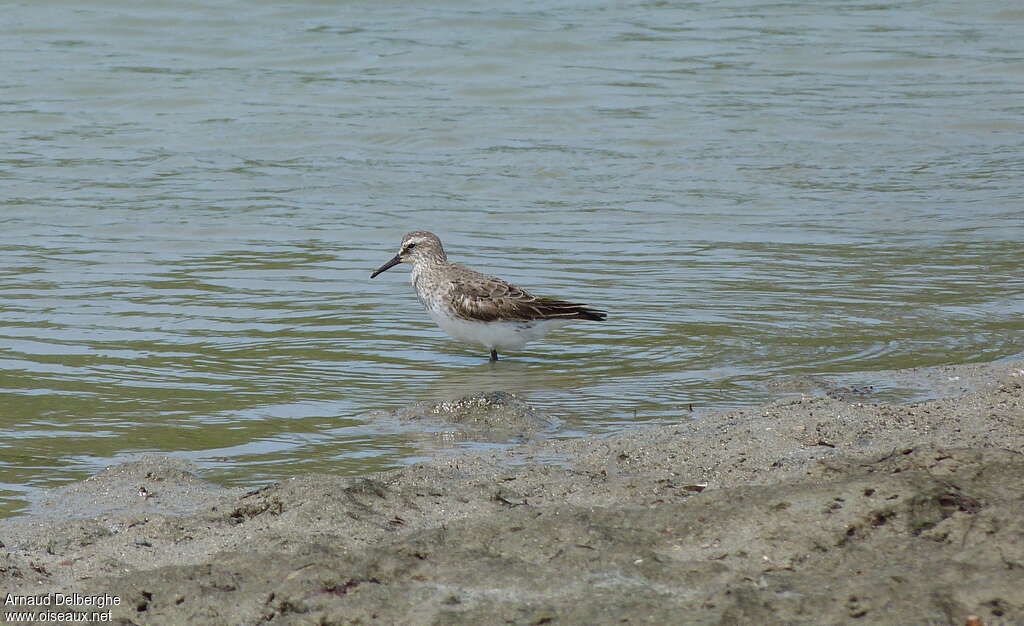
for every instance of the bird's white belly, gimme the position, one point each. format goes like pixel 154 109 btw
pixel 494 335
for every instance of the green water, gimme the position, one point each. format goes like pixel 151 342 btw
pixel 194 197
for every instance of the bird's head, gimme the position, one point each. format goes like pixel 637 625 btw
pixel 417 247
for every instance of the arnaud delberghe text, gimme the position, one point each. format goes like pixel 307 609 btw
pixel 63 599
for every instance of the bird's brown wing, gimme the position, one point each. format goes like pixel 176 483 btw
pixel 494 299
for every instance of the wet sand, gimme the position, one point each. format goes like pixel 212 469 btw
pixel 814 509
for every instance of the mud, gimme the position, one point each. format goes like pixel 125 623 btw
pixel 823 509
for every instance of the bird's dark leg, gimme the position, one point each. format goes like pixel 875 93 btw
pixel 494 356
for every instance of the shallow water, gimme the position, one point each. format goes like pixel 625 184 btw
pixel 195 196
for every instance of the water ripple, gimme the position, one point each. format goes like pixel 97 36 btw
pixel 749 191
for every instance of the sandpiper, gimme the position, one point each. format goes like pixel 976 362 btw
pixel 478 308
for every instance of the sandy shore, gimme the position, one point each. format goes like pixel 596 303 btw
pixel 827 509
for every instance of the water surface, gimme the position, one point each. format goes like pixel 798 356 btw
pixel 194 197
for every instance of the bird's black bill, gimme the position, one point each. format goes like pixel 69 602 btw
pixel 383 268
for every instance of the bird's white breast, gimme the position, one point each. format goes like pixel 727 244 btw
pixel 493 335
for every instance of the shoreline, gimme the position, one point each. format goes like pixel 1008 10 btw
pixel 811 509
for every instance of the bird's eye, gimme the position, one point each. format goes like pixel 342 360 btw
pixel 410 247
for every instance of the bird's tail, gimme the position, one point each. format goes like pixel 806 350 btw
pixel 551 309
pixel 586 313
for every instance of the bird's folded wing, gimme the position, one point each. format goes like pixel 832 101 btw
pixel 496 299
